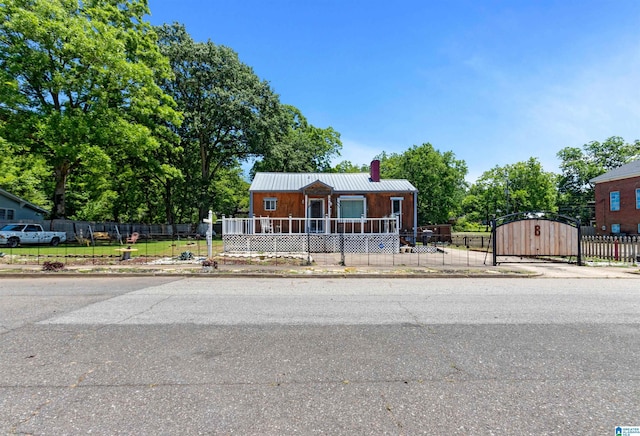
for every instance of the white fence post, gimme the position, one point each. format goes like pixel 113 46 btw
pixel 209 221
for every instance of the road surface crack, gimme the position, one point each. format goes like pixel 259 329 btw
pixel 391 412
pixel 416 321
pixel 148 309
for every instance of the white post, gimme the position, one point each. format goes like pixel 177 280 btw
pixel 329 230
pixel 209 221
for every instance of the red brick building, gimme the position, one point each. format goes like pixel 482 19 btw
pixel 617 195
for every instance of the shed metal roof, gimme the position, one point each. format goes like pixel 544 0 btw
pixel 340 182
pixel 632 169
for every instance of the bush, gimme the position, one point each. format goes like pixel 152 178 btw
pixel 463 225
pixel 52 266
pixel 186 255
pixel 210 263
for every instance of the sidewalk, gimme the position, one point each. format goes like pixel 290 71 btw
pixel 461 269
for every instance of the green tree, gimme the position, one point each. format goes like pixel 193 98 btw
pixel 82 76
pixel 23 174
pixel 230 114
pixel 346 166
pixel 304 148
pixel 579 165
pixel 438 176
pixel 233 192
pixel 520 187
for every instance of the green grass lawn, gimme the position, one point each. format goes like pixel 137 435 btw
pixel 144 248
pixel 477 234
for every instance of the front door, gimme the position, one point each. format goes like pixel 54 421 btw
pixel 396 209
pixel 315 215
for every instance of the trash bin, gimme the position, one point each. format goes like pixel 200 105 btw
pixel 426 236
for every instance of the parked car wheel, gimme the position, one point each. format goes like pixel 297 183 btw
pixel 55 241
pixel 13 242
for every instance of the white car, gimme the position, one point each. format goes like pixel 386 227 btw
pixel 13 235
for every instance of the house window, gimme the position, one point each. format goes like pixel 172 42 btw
pixel 352 207
pixel 638 199
pixel 614 200
pixel 396 206
pixel 7 214
pixel 270 204
pixel 615 228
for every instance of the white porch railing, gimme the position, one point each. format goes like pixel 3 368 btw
pixel 299 226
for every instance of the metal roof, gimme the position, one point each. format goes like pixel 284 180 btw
pixel 632 169
pixel 340 182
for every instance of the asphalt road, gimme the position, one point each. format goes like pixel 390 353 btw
pixel 162 355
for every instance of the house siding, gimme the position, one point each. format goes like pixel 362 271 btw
pixel 378 205
pixel 21 210
pixel 288 203
pixel 628 217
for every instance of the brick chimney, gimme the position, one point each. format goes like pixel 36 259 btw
pixel 375 170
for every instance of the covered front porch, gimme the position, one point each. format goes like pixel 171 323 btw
pixel 315 235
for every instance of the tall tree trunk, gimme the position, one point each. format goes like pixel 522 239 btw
pixel 61 174
pixel 168 207
pixel 203 210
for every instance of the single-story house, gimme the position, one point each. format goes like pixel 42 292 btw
pixel 617 195
pixel 14 208
pixel 372 212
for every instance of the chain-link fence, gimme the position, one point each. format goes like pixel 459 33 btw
pixel 181 250
pixel 108 251
pixel 468 251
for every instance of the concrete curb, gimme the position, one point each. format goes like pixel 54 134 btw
pixel 292 276
pixel 159 272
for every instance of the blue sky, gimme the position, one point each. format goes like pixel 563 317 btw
pixel 496 82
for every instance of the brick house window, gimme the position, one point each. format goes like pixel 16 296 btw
pixel 270 204
pixel 638 199
pixel 614 200
pixel 615 228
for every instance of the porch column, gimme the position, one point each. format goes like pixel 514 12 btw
pixel 415 217
pixel 328 230
pixel 306 212
pixel 252 224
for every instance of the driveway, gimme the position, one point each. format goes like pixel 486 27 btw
pixel 564 270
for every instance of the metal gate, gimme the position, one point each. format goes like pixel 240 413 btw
pixel 535 234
